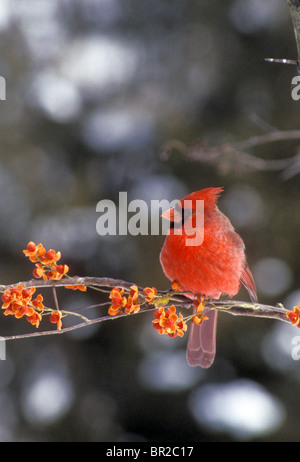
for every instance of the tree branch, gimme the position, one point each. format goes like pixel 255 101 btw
pixel 294 6
pixel 166 298
pixel 233 156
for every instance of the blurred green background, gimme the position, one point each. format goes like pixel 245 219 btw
pixel 94 90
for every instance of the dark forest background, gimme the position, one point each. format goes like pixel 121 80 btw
pixel 94 90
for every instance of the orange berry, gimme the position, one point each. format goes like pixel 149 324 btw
pixel 49 255
pixel 31 246
pixel 6 297
pixel 26 293
pixel 292 316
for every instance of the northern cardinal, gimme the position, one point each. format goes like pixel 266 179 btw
pixel 211 265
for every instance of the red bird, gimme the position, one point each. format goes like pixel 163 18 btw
pixel 205 256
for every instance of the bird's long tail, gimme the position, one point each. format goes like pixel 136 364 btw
pixel 201 348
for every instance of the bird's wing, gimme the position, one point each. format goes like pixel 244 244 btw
pixel 248 281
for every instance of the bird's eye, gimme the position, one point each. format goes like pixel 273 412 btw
pixel 178 208
pixel 183 213
pixel 187 213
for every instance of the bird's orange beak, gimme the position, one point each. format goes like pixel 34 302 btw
pixel 172 215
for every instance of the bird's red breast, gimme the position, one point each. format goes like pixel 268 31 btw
pixel 214 267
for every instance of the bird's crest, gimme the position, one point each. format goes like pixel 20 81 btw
pixel 209 195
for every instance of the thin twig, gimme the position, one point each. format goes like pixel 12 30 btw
pixel 71 281
pixel 55 298
pixel 271 137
